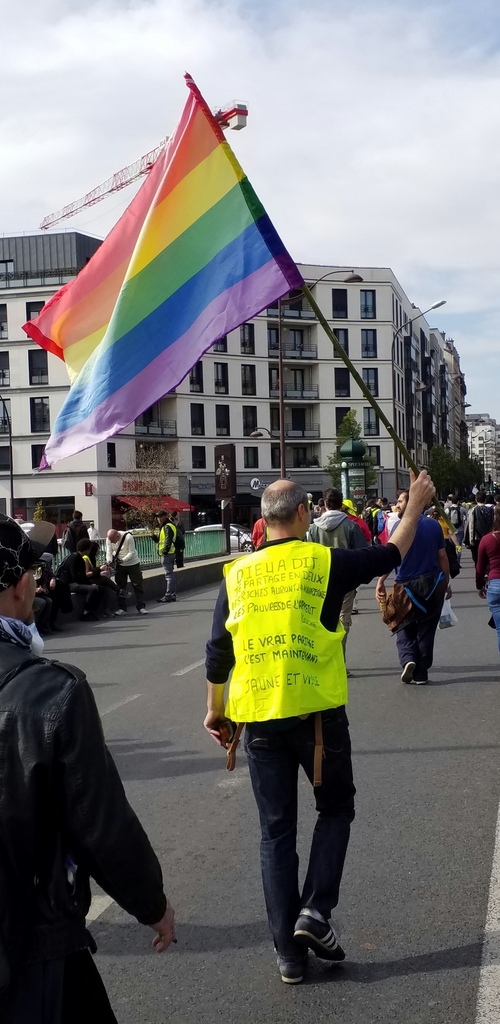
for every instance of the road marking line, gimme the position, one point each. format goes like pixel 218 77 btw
pixel 488 998
pixel 120 704
pixel 189 668
pixel 98 906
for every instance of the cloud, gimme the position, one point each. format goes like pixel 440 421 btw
pixel 372 135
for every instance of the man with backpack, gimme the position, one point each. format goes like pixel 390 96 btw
pixel 75 531
pixel 479 523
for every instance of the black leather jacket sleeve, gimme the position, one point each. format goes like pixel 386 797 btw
pixel 104 835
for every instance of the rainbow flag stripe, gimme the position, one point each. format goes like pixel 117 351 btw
pixel 193 257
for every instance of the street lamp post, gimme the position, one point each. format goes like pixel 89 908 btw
pixel 404 327
pixel 11 465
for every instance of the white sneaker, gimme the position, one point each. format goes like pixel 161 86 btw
pixel 407 673
pixel 143 611
pixel 120 611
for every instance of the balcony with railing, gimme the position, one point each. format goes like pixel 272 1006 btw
pixel 304 392
pixel 293 352
pixel 163 428
pixel 298 309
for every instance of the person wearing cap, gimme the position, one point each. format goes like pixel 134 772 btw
pixel 166 538
pixel 349 508
pixel 64 818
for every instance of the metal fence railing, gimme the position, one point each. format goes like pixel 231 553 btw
pixel 207 544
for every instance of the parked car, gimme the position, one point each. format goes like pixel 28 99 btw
pixel 241 539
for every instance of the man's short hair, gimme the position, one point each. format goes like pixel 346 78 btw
pixel 481 496
pixel 20 550
pixel 161 512
pixel 333 498
pixel 77 514
pixel 404 491
pixel 280 506
pixel 84 545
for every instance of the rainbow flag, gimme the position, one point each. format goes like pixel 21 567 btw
pixel 193 257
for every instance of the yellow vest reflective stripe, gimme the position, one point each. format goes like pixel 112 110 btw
pixel 162 543
pixel 286 662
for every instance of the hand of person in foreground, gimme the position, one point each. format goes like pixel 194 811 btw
pixel 421 489
pixel 212 723
pixel 165 930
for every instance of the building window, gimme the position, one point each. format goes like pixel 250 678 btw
pixel 273 380
pixel 196 377
pixel 222 421
pixel 33 309
pixel 273 339
pixel 220 345
pixel 40 415
pixel 342 335
pixel 38 366
pixel 370 378
pixel 373 452
pixel 251 458
pixel 221 381
pixel 4 458
pixel 339 303
pixel 5 416
pixel 295 340
pixel 111 454
pixel 198 456
pixel 3 320
pixel 37 451
pixel 249 419
pixel 299 458
pixel 342 383
pixel 369 344
pixel 340 414
pixel 368 309
pixel 247 339
pixel 370 422
pixel 274 414
pixel 275 456
pixel 248 380
pixel 4 370
pixel 198 419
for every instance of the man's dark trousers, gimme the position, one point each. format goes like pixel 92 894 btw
pixel 274 757
pixel 415 642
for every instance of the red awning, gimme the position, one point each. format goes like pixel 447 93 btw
pixel 143 501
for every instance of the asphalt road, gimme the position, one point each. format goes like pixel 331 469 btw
pixel 415 891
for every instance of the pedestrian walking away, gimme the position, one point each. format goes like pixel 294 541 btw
pixel 336 530
pixel 478 524
pixel 64 818
pixel 413 608
pixel 488 571
pixel 75 531
pixel 276 628
pixel 166 538
pixel 122 557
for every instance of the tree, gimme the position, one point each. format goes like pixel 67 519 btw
pixel 452 475
pixel 153 472
pixel 348 430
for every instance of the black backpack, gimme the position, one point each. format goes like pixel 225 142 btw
pixel 69 539
pixel 451 551
pixel 483 520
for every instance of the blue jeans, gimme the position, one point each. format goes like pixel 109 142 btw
pixel 274 758
pixel 493 598
pixel 168 566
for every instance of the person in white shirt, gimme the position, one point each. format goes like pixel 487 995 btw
pixel 92 532
pixel 122 556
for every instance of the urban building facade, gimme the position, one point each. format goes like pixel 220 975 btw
pixel 281 360
pixel 484 445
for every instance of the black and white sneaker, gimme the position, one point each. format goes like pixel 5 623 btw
pixel 318 936
pixel 407 673
pixel 292 970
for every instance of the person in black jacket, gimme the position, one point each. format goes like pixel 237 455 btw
pixel 64 818
pixel 73 572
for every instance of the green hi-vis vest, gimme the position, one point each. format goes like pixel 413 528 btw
pixel 162 543
pixel 286 662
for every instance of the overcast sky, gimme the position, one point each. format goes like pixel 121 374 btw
pixel 373 134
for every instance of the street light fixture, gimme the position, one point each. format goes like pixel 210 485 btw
pixel 404 327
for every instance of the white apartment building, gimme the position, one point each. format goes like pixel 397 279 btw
pixel 484 444
pixel 232 394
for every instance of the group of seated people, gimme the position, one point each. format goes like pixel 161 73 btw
pixel 80 574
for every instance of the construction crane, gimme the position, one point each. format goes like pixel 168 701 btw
pixel 234 117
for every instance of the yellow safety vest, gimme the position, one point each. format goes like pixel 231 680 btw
pixel 162 543
pixel 286 662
